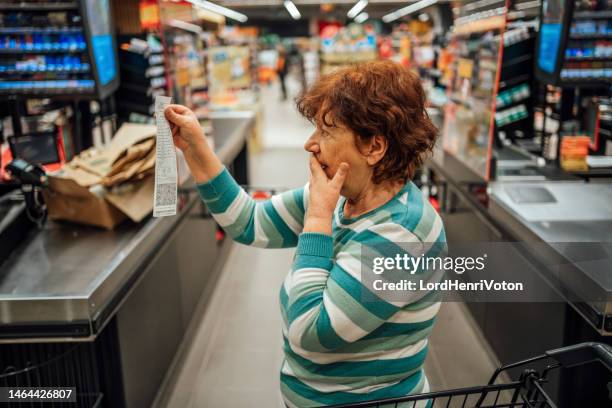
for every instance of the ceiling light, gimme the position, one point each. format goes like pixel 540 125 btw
pixel 387 18
pixel 183 25
pixel 215 8
pixel 361 17
pixel 295 13
pixel 356 9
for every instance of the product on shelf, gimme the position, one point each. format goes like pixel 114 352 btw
pixel 142 78
pixel 347 45
pixel 507 116
pixel 512 95
pixel 573 153
pixel 583 35
pixel 44 49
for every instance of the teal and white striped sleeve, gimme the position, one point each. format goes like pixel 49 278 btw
pixel 329 306
pixel 274 223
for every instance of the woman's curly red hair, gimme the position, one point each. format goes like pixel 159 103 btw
pixel 376 98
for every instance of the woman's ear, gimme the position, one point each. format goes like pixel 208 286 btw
pixel 377 149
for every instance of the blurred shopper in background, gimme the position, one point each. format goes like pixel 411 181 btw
pixel 343 341
pixel 296 60
pixel 281 71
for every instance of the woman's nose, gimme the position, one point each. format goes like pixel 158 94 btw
pixel 311 145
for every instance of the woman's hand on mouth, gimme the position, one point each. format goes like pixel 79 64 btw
pixel 324 195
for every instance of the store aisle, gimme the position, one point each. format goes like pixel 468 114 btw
pixel 234 358
pixel 237 350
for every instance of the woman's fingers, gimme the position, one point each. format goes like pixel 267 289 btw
pixel 172 116
pixel 178 108
pixel 176 114
pixel 315 167
pixel 340 176
pixel 176 140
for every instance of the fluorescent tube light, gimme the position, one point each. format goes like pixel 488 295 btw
pixel 183 25
pixel 215 8
pixel 387 18
pixel 356 9
pixel 361 17
pixel 295 13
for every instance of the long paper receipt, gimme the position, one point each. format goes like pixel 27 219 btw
pixel 165 193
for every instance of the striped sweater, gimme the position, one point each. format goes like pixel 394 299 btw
pixel 340 346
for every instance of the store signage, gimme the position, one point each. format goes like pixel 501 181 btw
pixel 149 14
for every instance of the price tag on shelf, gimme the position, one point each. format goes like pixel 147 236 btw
pixel 165 192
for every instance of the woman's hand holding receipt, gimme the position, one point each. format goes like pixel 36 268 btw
pixel 188 136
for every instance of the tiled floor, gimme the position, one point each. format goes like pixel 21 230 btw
pixel 235 355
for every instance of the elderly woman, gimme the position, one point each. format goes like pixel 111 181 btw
pixel 372 132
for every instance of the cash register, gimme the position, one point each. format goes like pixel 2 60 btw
pixel 21 204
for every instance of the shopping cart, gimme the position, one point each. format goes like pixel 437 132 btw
pixel 526 392
pixel 52 365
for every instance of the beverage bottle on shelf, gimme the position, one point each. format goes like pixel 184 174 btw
pixel 80 41
pixel 38 63
pixel 64 41
pixel 67 63
pixel 37 41
pixel 51 63
pixel 72 42
pixel 27 44
pixel 46 42
pixel 57 44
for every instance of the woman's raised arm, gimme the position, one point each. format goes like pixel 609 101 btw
pixel 275 223
pixel 189 137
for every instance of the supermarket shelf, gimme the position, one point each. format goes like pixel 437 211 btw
pixel 348 58
pixel 44 92
pixel 71 5
pixel 514 122
pixel 50 51
pixel 514 81
pixel 511 104
pixel 46 71
pixel 587 58
pixel 586 83
pixel 44 30
pixel 485 24
pixel 593 14
pixel 517 60
pixel 459 101
pixel 590 36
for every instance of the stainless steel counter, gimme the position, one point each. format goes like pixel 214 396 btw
pixel 559 218
pixel 574 219
pixel 74 277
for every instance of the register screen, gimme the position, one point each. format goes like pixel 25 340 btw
pixel 550 34
pixel 98 14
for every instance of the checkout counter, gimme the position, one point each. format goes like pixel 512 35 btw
pixel 546 212
pixel 107 311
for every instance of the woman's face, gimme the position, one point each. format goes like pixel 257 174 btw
pixel 334 145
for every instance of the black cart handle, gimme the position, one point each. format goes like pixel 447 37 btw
pixel 582 353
